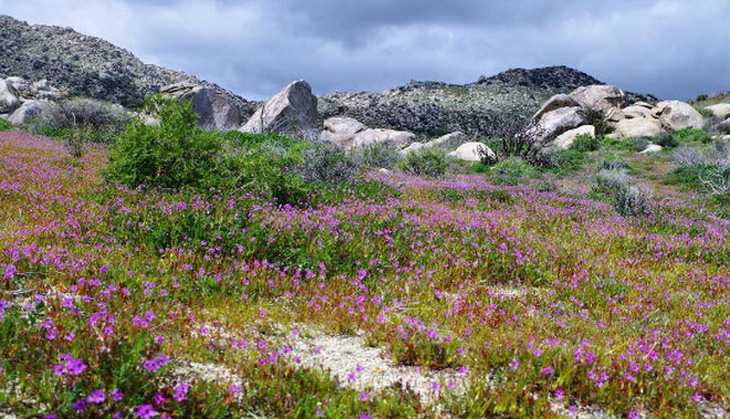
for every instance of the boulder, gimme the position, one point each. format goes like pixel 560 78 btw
pixel 599 97
pixel 341 130
pixel 21 86
pixel 724 127
pixel 721 110
pixel 30 109
pixel 555 102
pixel 636 111
pixel 43 90
pixel 454 139
pixel 637 127
pixel 566 139
pixel 216 110
pixel 652 148
pixel 376 136
pixel 644 105
pixel 472 152
pixel 556 122
pixel 675 115
pixel 292 111
pixel 8 99
pixel 413 147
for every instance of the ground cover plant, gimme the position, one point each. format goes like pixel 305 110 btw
pixel 128 301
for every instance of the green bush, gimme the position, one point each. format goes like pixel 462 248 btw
pixel 585 143
pixel 5 125
pixel 690 135
pixel 425 162
pixel 175 154
pixel 666 140
pixel 513 170
pixel 597 118
pixel 378 155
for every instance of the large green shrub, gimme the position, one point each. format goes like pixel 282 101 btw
pixel 425 162
pixel 513 170
pixel 585 143
pixel 5 125
pixel 175 154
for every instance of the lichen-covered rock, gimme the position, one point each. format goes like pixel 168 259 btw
pixel 292 111
pixel 675 115
pixel 216 110
pixel 566 139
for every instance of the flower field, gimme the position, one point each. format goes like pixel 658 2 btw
pixel 120 303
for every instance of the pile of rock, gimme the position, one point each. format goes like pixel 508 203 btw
pixel 564 117
pixel 216 110
pixel 21 100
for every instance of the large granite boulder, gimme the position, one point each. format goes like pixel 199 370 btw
pixel 29 110
pixel 675 115
pixel 8 99
pixel 472 152
pixel 599 97
pixel 637 128
pixel 216 110
pixel 292 111
pixel 721 110
pixel 556 122
pixel 566 139
pixel 555 102
pixel 454 139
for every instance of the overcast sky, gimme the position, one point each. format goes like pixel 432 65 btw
pixel 671 48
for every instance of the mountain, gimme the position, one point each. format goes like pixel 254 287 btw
pixel 489 107
pixel 86 65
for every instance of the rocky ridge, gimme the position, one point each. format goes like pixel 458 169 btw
pixel 88 66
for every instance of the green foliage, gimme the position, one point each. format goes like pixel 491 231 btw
pixel 586 143
pixel 705 112
pixel 631 201
pixel 597 118
pixel 175 154
pixel 701 98
pixel 690 135
pixel 513 170
pixel 425 162
pixel 666 140
pixel 5 125
pixel 689 176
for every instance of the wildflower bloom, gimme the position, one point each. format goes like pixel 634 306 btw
pixel 145 411
pixel 547 371
pixel 96 397
pixel 181 392
pixel 69 366
pixel 155 364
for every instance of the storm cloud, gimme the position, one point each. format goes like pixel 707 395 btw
pixel 670 48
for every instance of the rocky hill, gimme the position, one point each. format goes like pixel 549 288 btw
pixel 86 65
pixel 491 106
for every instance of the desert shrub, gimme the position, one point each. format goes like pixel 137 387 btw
pixel 585 143
pixel 637 144
pixel 5 125
pixel 425 162
pixel 704 111
pixel 610 181
pixel 175 154
pixel 562 162
pixel 632 201
pixel 513 170
pixel 597 118
pixel 325 163
pixel 688 156
pixel 378 155
pixel 98 120
pixel 612 162
pixel 701 98
pixel 666 140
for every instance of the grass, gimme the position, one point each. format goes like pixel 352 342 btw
pixel 110 290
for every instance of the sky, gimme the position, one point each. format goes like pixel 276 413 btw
pixel 675 49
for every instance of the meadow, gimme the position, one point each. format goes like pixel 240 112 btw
pixel 145 302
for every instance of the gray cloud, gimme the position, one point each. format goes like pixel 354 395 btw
pixel 672 48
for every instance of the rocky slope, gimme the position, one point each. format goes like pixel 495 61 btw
pixel 86 66
pixel 491 106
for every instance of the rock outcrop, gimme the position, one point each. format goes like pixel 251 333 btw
pixel 292 111
pixel 556 122
pixel 349 133
pixel 602 98
pixel 30 109
pixel 675 115
pixel 721 110
pixel 88 66
pixel 216 110
pixel 637 128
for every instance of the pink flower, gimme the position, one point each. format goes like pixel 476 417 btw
pixel 145 411
pixel 547 371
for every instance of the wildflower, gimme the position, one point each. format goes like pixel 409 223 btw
pixel 155 364
pixel 696 397
pixel 364 396
pixel 159 398
pixel 235 389
pixel 104 269
pixel 435 386
pixel 96 397
pixel 559 393
pixel 514 364
pixel 116 395
pixel 181 392
pixel 145 411
pixel 69 365
pixel 547 371
pixel 79 405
